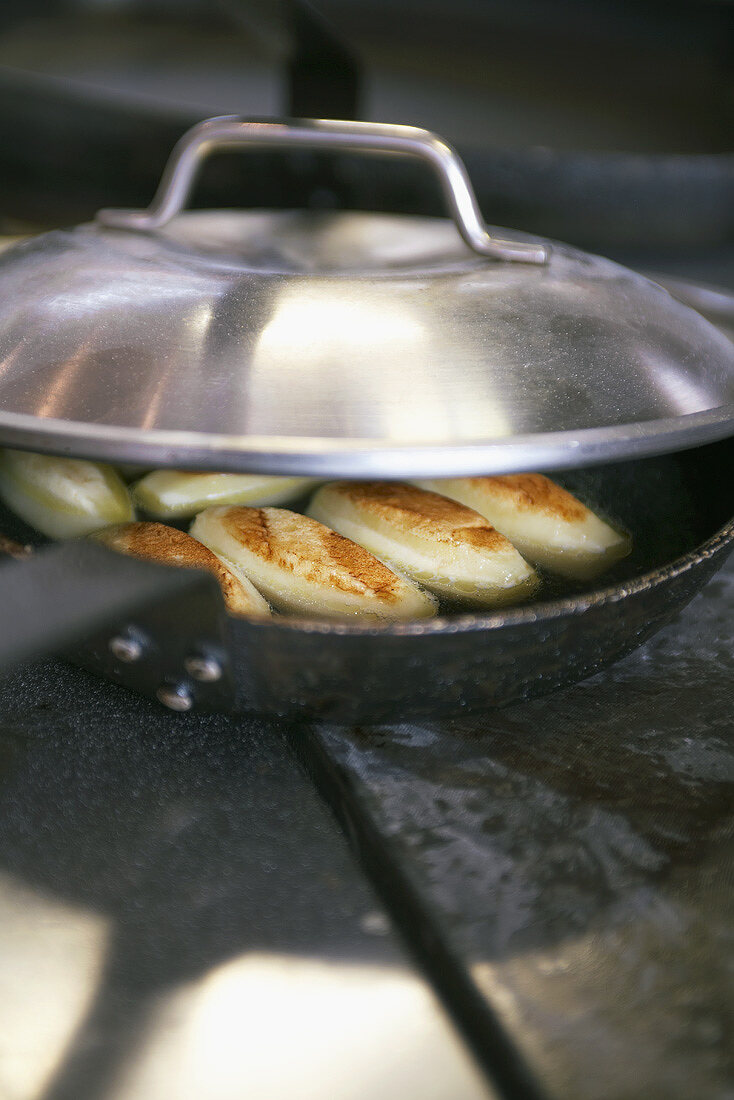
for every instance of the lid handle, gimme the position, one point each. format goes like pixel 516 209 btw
pixel 363 137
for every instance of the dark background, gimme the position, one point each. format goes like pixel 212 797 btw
pixel 608 124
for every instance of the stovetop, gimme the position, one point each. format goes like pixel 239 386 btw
pixel 534 903
pixel 572 861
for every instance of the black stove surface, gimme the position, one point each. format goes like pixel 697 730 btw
pixel 178 907
pixel 572 862
pixel 180 917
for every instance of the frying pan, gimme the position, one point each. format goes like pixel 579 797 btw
pixel 164 632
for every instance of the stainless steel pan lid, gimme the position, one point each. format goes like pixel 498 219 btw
pixel 344 344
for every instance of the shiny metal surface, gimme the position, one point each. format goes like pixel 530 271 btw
pixel 175 696
pixel 126 648
pixel 715 303
pixel 231 132
pixel 205 669
pixel 345 344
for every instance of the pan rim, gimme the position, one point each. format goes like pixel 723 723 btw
pixel 561 607
pixel 364 458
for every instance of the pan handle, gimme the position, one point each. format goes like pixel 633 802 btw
pixel 159 630
pixel 231 131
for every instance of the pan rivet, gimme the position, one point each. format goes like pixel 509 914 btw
pixel 175 697
pixel 207 670
pixel 126 648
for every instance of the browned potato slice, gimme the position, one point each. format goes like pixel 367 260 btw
pixel 545 522
pixel 302 566
pixel 169 546
pixel 450 549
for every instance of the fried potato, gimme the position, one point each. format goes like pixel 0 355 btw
pixel 167 494
pixel 169 546
pixel 448 548
pixel 548 525
pixel 302 566
pixel 62 497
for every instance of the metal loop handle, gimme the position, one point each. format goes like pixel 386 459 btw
pixel 365 137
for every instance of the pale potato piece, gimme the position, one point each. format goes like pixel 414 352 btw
pixel 303 567
pixel 62 497
pixel 182 493
pixel 548 525
pixel 448 548
pixel 169 546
